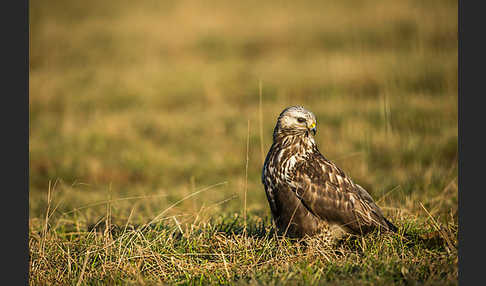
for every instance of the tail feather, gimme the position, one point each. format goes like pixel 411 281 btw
pixel 391 226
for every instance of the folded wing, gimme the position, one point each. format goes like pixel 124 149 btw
pixel 329 194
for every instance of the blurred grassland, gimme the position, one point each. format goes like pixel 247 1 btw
pixel 153 98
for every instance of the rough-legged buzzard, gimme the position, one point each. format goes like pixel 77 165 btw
pixel 309 194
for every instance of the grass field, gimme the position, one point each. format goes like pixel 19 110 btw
pixel 149 122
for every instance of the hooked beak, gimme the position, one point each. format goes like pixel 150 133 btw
pixel 313 129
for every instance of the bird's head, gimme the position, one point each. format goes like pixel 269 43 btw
pixel 296 120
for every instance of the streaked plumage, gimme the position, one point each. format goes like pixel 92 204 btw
pixel 309 194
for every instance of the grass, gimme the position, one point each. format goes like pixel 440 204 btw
pixel 162 110
pixel 227 249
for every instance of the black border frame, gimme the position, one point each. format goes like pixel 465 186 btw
pixel 15 131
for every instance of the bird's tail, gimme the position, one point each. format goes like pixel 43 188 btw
pixel 391 226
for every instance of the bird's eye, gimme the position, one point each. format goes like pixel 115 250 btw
pixel 301 119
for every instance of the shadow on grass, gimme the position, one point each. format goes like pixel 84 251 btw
pixel 255 227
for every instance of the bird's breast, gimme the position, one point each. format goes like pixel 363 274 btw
pixel 283 167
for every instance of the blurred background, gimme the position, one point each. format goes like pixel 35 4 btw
pixel 146 102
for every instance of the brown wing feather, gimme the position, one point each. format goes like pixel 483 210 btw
pixel 329 194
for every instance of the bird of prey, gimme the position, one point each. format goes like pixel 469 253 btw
pixel 307 193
